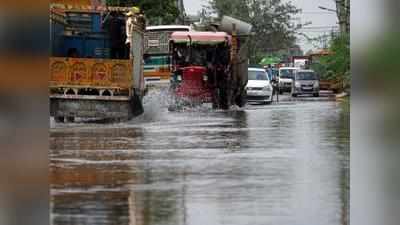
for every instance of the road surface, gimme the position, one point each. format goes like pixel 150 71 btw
pixel 280 164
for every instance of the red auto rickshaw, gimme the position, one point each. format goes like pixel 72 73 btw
pixel 203 69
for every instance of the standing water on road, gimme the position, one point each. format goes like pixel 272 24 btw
pixel 283 164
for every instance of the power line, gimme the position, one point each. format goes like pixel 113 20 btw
pixel 318 31
pixel 318 13
pixel 320 27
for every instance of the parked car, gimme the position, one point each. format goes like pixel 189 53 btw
pixel 259 88
pixel 286 75
pixel 305 82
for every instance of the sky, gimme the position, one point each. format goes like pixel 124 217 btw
pixel 322 21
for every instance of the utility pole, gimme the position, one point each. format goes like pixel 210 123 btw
pixel 343 14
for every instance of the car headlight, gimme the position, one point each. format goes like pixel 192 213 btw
pixel 205 77
pixel 297 84
pixel 267 88
pixel 316 85
pixel 179 77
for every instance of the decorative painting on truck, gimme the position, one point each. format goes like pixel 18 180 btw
pixel 90 72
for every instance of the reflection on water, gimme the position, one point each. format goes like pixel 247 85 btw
pixel 280 164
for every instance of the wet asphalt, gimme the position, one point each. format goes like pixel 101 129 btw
pixel 280 164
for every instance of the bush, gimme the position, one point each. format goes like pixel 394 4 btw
pixel 339 61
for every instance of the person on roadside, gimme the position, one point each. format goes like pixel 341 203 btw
pixel 132 17
pixel 116 36
pixel 269 71
pixel 272 79
pixel 128 30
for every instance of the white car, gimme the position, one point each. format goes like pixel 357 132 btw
pixel 259 88
pixel 286 76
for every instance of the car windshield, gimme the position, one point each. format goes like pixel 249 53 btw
pixel 287 73
pixel 258 75
pixel 306 76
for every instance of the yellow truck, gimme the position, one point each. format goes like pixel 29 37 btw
pixel 86 79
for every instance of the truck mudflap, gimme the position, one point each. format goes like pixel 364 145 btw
pixel 95 107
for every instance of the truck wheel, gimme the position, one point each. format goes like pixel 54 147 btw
pixel 223 100
pixel 241 99
pixel 215 102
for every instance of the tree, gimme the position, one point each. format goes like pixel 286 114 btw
pixel 271 19
pixel 121 3
pixel 339 61
pixel 157 12
pixel 160 12
pixel 336 66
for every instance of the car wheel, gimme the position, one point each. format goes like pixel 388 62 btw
pixel 316 95
pixel 294 95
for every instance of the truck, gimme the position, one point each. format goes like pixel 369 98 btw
pixel 87 80
pixel 157 57
pixel 211 66
pixel 301 62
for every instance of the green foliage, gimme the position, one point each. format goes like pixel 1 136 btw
pixel 337 65
pixel 339 62
pixel 271 20
pixel 384 54
pixel 322 70
pixel 157 12
pixel 120 2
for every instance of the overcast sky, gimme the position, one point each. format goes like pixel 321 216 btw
pixel 321 20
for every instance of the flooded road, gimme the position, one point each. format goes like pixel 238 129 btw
pixel 285 164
